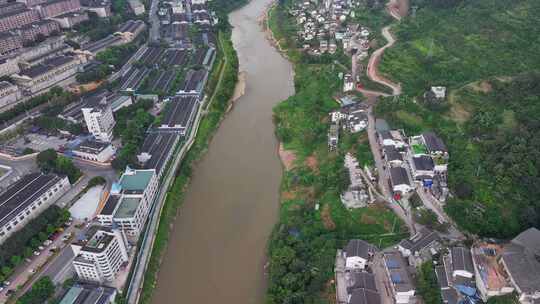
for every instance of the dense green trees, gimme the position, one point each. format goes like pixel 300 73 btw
pixel 23 242
pixel 494 154
pixel 117 55
pixel 471 41
pixel 50 161
pixel 131 125
pixel 427 285
pixel 42 290
pixel 98 73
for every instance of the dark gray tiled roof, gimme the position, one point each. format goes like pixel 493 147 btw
pixel 423 162
pixel 523 260
pixel 24 192
pixel 399 176
pixel 364 296
pixel 420 241
pixel 461 259
pixel 433 142
pixel 392 154
pixel 110 205
pixel 359 248
pixel 362 279
pixel 442 278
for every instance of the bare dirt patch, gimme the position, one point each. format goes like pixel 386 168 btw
pixel 482 86
pixel 287 195
pixel 312 163
pixel 287 157
pixel 366 219
pixel 327 218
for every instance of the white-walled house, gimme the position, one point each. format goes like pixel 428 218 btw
pixel 357 253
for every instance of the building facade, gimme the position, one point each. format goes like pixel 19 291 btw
pixel 27 198
pixel 9 43
pixel 18 18
pixel 71 19
pixel 95 151
pixel 47 74
pixel 9 95
pixel 100 257
pixel 58 7
pixel 33 31
pixel 99 120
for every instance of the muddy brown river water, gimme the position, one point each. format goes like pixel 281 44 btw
pixel 217 249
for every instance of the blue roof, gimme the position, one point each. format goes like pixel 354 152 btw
pixel 396 278
pixel 392 264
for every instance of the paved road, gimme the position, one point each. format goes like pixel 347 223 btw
pixel 22 274
pixel 372 71
pixel 19 168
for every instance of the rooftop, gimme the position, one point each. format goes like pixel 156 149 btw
pixel 156 148
pixel 110 205
pixel 179 112
pixel 359 248
pixel 433 142
pixel 423 162
pixel 136 180
pixel 128 207
pixel 92 146
pixel 24 192
pixel 399 176
pixel 421 240
pixel 399 274
pixel 461 259
pixel 88 294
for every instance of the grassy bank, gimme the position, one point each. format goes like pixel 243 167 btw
pixel 313 223
pixel 175 196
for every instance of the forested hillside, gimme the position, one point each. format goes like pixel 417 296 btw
pixel 455 42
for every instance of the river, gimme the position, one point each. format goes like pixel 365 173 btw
pixel 217 249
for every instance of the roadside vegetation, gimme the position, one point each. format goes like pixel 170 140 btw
pixel 313 222
pixel 24 242
pixel 42 290
pixel 50 161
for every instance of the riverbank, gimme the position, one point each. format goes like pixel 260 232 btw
pixel 313 222
pixel 224 93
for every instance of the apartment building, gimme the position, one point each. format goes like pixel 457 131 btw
pixel 9 95
pixel 99 119
pixel 129 203
pixel 58 7
pixel 32 3
pixel 9 65
pixel 35 30
pixel 17 18
pixel 9 7
pixel 9 43
pixel 102 8
pixel 71 19
pixel 47 74
pixel 27 198
pixel 99 257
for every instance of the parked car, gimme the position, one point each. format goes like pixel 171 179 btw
pixel 6 283
pixel 36 253
pixel 41 248
pixel 47 243
pixel 31 270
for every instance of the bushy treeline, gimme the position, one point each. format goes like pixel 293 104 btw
pixel 24 242
pixel 494 155
pixel 41 291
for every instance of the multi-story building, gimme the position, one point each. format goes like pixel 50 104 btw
pixel 89 294
pixel 9 95
pixel 27 198
pixel 99 118
pixel 9 43
pixel 58 7
pixel 95 151
pixel 9 65
pixel 100 256
pixel 51 47
pixel 70 19
pixel 17 18
pixel 137 7
pixel 129 203
pixel 47 74
pixel 130 29
pixel 11 7
pixel 32 3
pixel 39 29
pixel 102 8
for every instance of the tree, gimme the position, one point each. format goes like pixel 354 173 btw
pixel 41 291
pixel 46 160
pixel 427 285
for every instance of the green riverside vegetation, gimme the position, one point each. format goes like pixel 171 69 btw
pixel 228 60
pixel 482 52
pixel 313 223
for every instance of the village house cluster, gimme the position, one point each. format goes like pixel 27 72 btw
pixel 366 274
pixel 326 25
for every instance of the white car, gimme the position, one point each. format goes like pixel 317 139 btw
pixel 36 253
pixel 31 270
pixel 7 283
pixel 41 248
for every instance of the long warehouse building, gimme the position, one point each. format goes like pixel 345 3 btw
pixel 27 198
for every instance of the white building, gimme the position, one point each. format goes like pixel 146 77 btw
pixel 95 151
pixel 357 254
pixel 9 95
pixel 99 258
pixel 393 138
pixel 27 198
pixel 47 74
pixel 348 83
pixel 99 119
pixel 129 203
pixel 9 65
pixel 400 181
